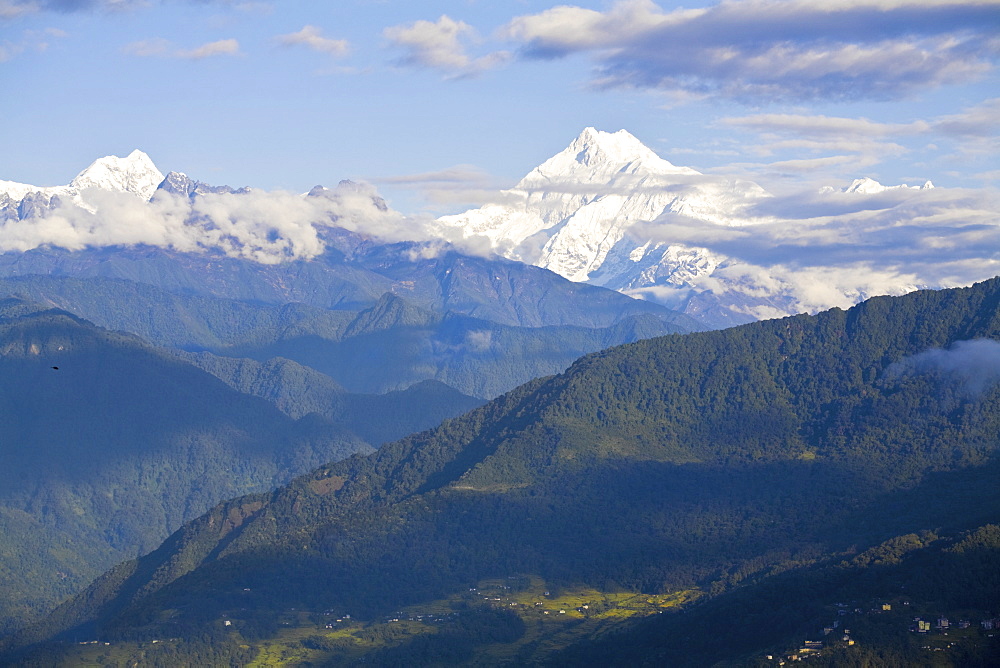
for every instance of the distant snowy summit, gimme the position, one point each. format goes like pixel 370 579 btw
pixel 135 174
pixel 868 186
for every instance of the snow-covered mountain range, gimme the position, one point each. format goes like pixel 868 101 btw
pixel 606 211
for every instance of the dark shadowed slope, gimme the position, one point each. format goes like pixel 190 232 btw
pixel 109 444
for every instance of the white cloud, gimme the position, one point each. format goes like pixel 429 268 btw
pixel 972 366
pixel 441 45
pixel 12 9
pixel 145 48
pixel 311 37
pixel 158 47
pixel 8 51
pixel 823 126
pixel 479 340
pixel 773 49
pixel 461 184
pixel 830 142
pixel 811 251
pixel 34 40
pixel 222 47
pixel 982 120
pixel 266 227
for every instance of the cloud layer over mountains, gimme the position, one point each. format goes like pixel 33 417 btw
pixel 822 249
pixel 266 227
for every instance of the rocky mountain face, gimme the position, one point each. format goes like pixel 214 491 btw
pixel 178 183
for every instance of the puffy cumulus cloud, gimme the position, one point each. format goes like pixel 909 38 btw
pixel 773 49
pixel 791 288
pixel 158 47
pixel 107 218
pixel 973 366
pixel 357 207
pixel 312 38
pixel 479 340
pixel 442 45
pixel 267 227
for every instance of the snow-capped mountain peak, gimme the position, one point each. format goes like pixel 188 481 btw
pixel 868 186
pixel 581 212
pixel 597 157
pixel 135 174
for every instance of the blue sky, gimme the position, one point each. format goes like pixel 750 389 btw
pixel 439 103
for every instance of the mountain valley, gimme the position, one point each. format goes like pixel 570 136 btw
pixel 696 470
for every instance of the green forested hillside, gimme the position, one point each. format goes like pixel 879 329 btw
pixel 686 466
pixel 107 445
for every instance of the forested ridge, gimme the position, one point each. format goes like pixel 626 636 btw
pixel 388 342
pixel 110 444
pixel 709 462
